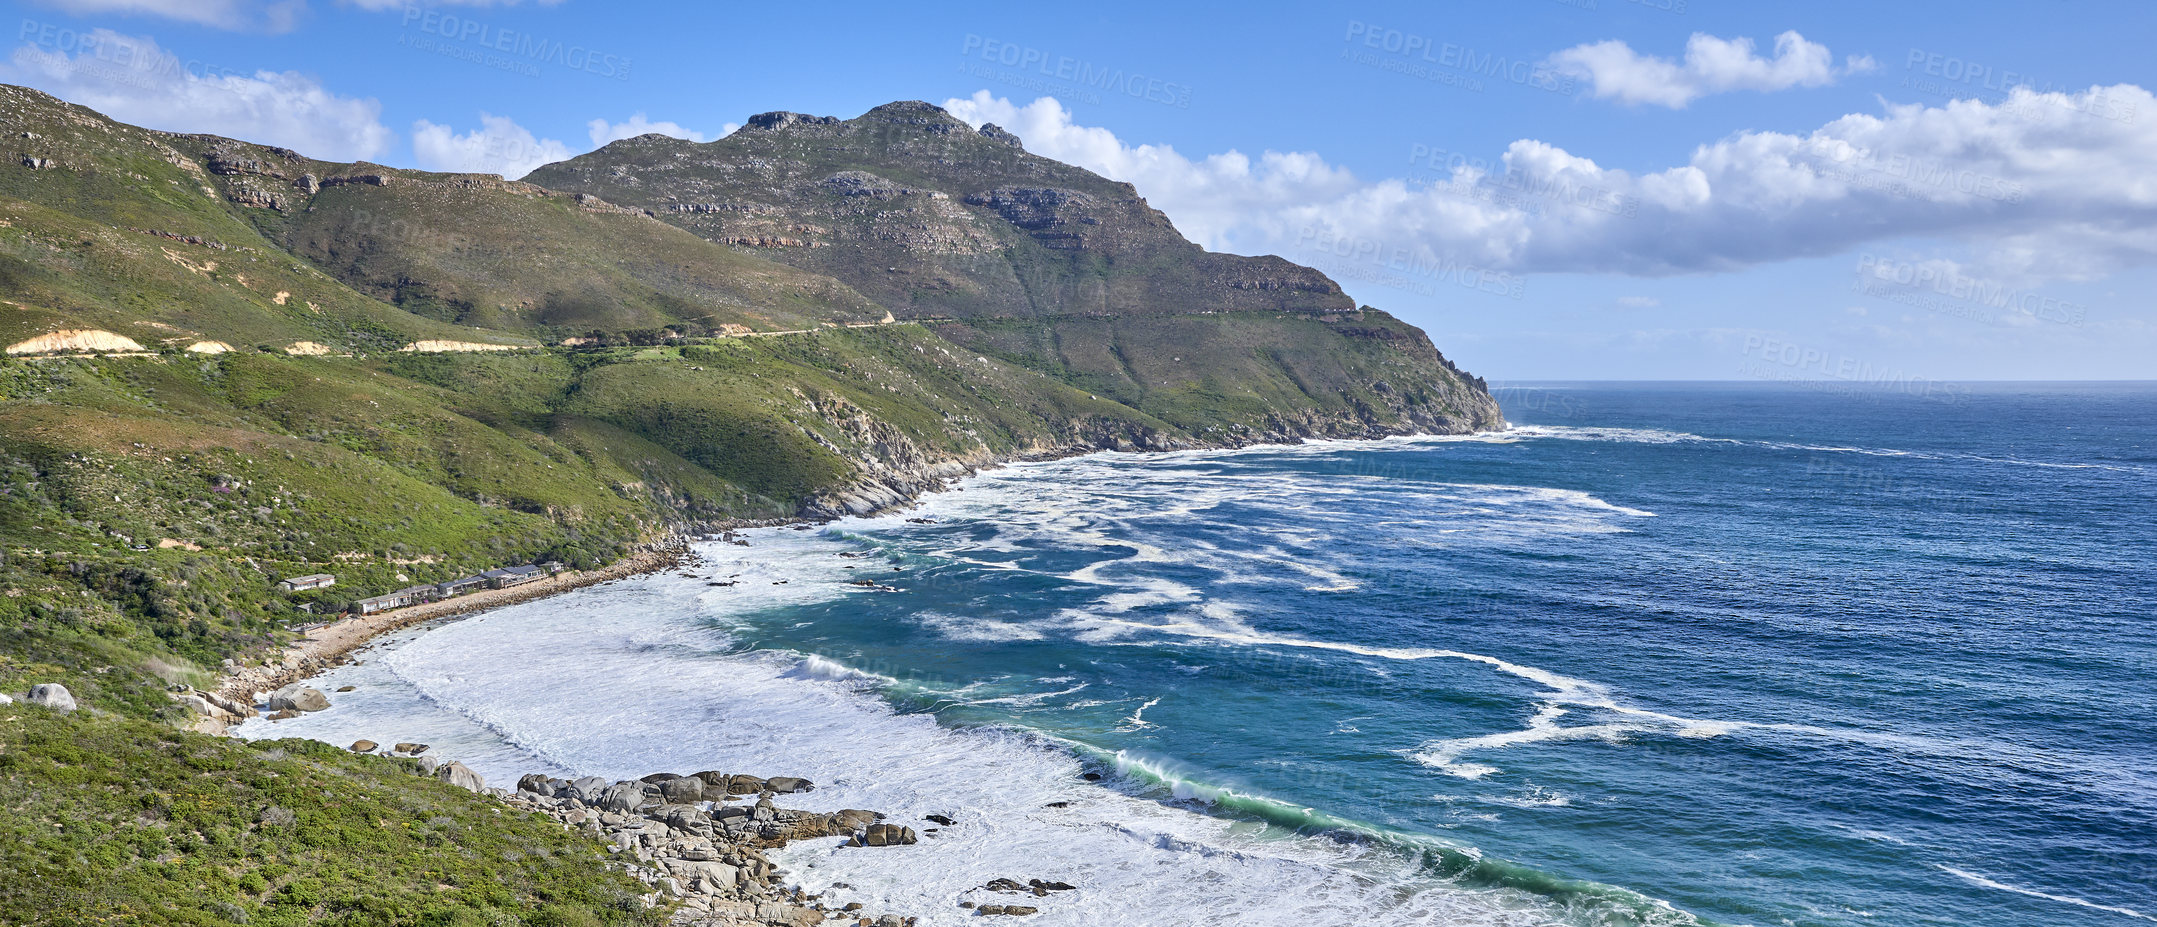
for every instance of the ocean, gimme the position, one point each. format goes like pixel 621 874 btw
pixel 1660 654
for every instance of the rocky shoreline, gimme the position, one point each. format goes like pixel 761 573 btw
pixel 700 842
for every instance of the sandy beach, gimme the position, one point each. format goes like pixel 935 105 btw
pixel 332 643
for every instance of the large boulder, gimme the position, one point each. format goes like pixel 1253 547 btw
pixel 535 783
pixel 715 877
pixel 622 796
pixel 201 706
pixel 784 784
pixel 52 695
pixel 782 914
pixel 299 698
pixel 744 785
pixel 683 791
pixel 682 817
pixel 588 788
pixel 461 776
pixel 226 705
pixel 888 835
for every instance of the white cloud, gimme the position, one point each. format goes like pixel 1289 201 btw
pixel 1712 65
pixel 1213 200
pixel 2039 185
pixel 266 15
pixel 498 146
pixel 603 132
pixel 132 80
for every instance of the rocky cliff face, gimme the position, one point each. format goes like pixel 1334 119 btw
pixel 935 219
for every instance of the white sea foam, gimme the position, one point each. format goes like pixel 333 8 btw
pixel 1445 755
pixel 1976 879
pixel 1026 700
pixel 1660 436
pixel 981 629
pixel 1536 796
pixel 1137 720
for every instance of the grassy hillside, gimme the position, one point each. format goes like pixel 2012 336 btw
pixel 477 251
pixel 108 226
pixel 112 820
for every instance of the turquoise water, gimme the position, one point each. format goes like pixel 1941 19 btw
pixel 1747 654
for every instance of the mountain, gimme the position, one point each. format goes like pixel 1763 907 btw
pixel 1045 265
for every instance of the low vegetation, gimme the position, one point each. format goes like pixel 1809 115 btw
pixel 119 821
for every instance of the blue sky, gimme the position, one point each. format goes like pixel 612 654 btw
pixel 1580 189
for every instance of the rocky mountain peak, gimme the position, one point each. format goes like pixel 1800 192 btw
pixel 996 133
pixel 781 119
pixel 909 109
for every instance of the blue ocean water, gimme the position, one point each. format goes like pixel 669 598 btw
pixel 1662 653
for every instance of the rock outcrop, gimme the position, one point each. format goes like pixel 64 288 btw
pixel 298 698
pixel 699 839
pixel 52 695
pixel 461 776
